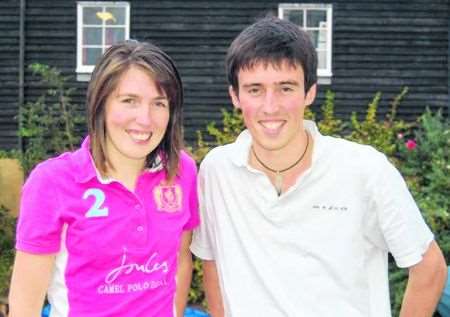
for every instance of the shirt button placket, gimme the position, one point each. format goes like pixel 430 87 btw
pixel 138 208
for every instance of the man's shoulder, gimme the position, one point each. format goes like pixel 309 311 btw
pixel 351 150
pixel 358 160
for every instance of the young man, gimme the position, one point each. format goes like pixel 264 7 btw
pixel 295 223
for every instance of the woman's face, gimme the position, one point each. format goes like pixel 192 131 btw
pixel 136 117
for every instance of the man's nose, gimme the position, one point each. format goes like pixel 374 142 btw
pixel 270 102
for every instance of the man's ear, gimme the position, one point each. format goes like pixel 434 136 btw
pixel 311 95
pixel 234 97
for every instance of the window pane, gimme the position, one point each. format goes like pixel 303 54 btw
pixel 319 38
pixel 322 57
pixel 114 35
pixel 92 36
pixel 90 15
pixel 322 39
pixel 91 55
pixel 316 18
pixel 314 35
pixel 115 16
pixel 295 16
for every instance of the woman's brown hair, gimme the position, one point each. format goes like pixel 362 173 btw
pixel 160 67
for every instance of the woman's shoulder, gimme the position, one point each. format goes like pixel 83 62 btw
pixel 187 164
pixel 51 170
pixel 187 160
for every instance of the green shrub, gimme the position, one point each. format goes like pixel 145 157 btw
pixel 232 125
pixel 426 165
pixel 381 134
pixel 47 125
pixel 329 125
pixel 424 160
pixel 7 238
pixel 196 294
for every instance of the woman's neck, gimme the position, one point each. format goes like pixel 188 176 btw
pixel 127 174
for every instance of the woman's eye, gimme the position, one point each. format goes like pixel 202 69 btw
pixel 161 104
pixel 128 101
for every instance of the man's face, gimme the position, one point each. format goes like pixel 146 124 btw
pixel 272 100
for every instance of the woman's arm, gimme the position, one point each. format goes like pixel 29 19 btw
pixel 29 283
pixel 184 273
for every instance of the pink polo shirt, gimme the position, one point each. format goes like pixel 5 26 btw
pixel 116 249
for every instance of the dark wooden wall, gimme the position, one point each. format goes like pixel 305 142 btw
pixel 378 45
pixel 9 70
pixel 385 45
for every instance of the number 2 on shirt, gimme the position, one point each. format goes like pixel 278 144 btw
pixel 96 210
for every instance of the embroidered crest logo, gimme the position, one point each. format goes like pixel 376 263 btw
pixel 168 198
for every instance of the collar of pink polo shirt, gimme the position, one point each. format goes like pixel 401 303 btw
pixel 84 166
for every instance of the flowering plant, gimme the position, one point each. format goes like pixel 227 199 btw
pixel 411 144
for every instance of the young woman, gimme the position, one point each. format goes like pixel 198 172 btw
pixel 105 230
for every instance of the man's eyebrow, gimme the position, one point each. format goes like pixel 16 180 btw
pixel 289 82
pixel 284 82
pixel 251 85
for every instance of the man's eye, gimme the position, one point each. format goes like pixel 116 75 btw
pixel 286 89
pixel 254 91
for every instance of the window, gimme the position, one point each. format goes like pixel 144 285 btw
pixel 100 24
pixel 316 20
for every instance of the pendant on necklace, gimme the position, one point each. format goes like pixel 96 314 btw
pixel 278 182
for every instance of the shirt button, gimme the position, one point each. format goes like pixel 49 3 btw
pixel 140 228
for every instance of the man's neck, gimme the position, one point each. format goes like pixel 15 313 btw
pixel 282 158
pixel 285 165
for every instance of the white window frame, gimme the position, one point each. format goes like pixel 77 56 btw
pixel 87 69
pixel 324 74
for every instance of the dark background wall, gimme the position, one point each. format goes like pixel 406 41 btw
pixel 9 70
pixel 377 46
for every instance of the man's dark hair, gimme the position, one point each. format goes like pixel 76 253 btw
pixel 271 41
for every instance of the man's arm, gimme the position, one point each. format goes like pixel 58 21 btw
pixel 425 283
pixel 29 283
pixel 184 273
pixel 212 288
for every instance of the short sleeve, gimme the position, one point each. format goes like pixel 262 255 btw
pixel 194 219
pixel 39 225
pixel 397 222
pixel 201 245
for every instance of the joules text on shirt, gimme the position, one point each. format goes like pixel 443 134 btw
pixel 150 266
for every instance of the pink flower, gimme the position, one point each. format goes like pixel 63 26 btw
pixel 411 145
pixel 400 136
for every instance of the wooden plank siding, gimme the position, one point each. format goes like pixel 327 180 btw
pixel 9 84
pixel 378 45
